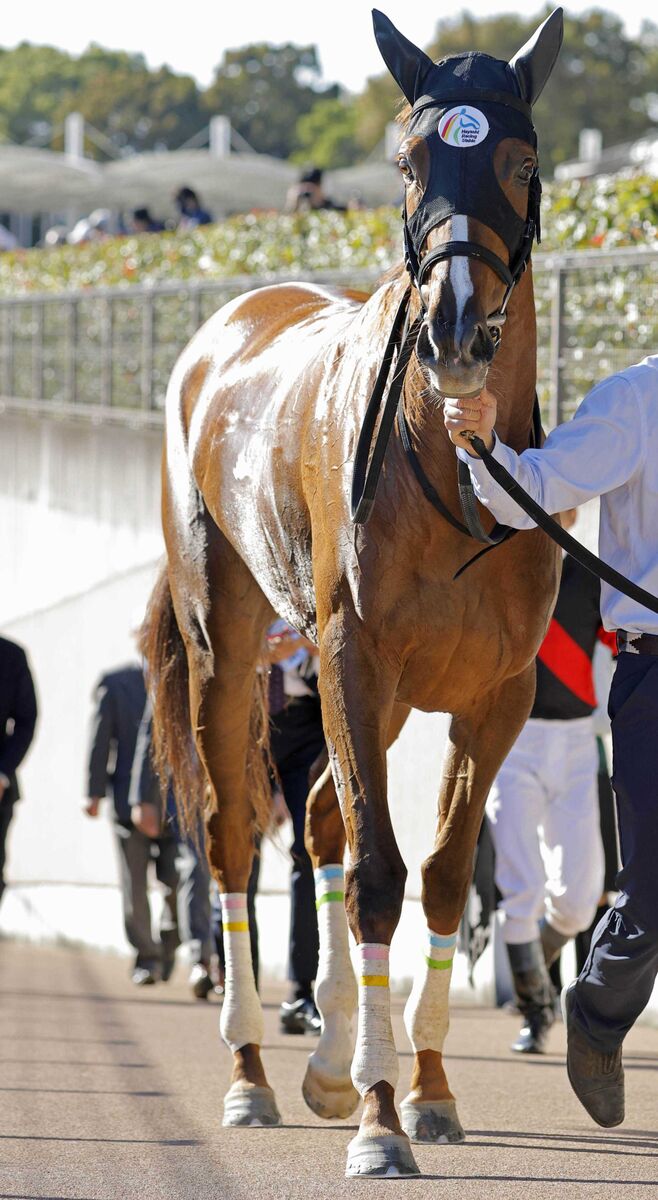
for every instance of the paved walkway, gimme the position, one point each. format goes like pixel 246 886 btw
pixel 107 1092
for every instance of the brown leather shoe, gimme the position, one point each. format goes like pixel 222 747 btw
pixel 596 1078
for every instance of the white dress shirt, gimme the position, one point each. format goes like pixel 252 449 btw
pixel 609 449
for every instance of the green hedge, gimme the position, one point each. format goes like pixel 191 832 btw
pixel 607 212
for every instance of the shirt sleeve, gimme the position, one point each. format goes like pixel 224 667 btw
pixel 596 452
pixel 103 734
pixel 24 716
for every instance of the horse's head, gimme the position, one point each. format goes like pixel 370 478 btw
pixel 469 162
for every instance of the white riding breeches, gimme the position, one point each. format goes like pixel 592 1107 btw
pixel 543 812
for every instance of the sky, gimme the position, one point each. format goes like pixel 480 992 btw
pixel 193 39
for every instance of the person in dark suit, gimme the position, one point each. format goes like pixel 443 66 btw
pixel 18 718
pixel 120 701
pixel 194 913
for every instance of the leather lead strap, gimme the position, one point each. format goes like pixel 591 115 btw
pixel 367 466
pixel 555 531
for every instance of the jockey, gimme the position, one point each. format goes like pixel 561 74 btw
pixel 607 450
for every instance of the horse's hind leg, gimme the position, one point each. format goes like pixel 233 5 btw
pixel 224 651
pixel 328 1089
pixel 479 741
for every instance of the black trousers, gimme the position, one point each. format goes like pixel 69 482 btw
pixel 297 740
pixel 616 982
pixel 6 813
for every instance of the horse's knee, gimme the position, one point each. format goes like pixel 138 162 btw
pixel 374 891
pixel 446 881
pixel 230 849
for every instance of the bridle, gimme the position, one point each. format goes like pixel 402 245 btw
pixel 430 213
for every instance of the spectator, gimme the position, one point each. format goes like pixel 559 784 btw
pixel 120 699
pixel 194 917
pixel 18 717
pixel 7 239
pixel 308 193
pixel 543 809
pixel 191 212
pixel 94 228
pixel 143 222
pixel 297 739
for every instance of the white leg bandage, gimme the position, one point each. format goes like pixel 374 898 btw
pixel 241 1021
pixel 375 1058
pixel 426 1010
pixel 335 988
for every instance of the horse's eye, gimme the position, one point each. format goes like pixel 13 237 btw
pixel 405 167
pixel 526 171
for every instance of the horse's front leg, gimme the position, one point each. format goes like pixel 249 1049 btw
pixel 328 1088
pixel 479 741
pixel 358 691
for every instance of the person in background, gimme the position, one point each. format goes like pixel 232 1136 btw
pixel 190 210
pixel 296 741
pixel 143 222
pixel 608 449
pixel 7 239
pixel 120 699
pixel 543 808
pixel 94 228
pixel 18 718
pixel 308 194
pixel 194 915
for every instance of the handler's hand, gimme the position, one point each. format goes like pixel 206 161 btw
pixel 146 818
pixel 472 414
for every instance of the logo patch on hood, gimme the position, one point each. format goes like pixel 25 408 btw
pixel 463 126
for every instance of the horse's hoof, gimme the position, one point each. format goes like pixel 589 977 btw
pixel 431 1121
pixel 329 1096
pixel 388 1156
pixel 254 1106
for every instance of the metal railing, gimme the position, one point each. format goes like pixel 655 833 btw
pixel 108 353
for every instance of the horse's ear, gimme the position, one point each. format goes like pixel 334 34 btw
pixel 533 63
pixel 408 65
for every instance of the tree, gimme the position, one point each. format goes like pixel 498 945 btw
pixel 134 107
pixel 602 78
pixel 264 90
pixel 326 136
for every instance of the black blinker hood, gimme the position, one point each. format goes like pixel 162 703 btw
pixel 464 107
pixel 470 97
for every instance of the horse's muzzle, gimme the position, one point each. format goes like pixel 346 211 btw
pixel 454 373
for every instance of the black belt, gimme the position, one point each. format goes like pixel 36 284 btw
pixel 637 643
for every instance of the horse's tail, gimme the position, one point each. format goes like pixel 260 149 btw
pixel 174 754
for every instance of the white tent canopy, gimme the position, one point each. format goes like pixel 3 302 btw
pixel 34 180
pixel 42 181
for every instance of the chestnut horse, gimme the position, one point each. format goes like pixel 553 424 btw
pixel 263 413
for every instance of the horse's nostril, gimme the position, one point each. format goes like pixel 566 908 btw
pixel 478 344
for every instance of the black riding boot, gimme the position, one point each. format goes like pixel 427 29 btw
pixel 552 942
pixel 534 995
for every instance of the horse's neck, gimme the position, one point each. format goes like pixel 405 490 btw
pixel 512 379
